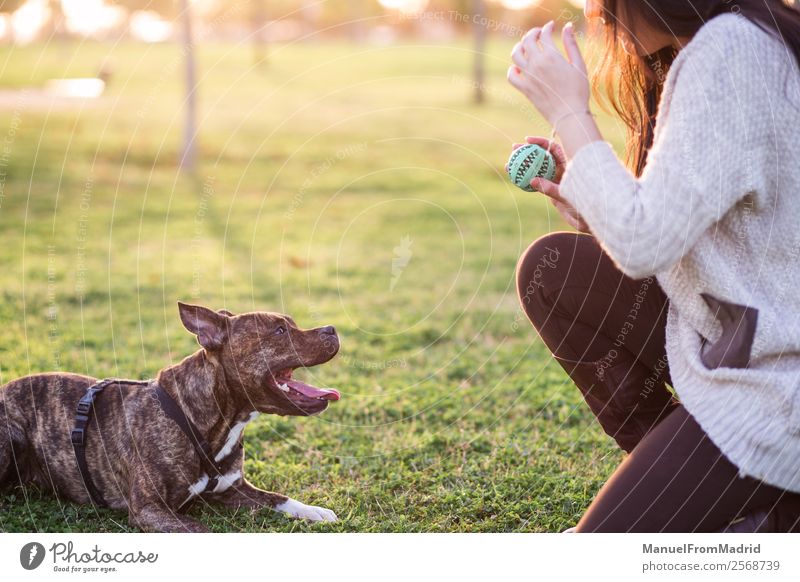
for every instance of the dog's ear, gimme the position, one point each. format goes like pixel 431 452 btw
pixel 225 312
pixel 210 327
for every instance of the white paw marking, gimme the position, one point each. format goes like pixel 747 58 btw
pixel 294 508
pixel 224 483
pixel 233 436
pixel 198 487
pixel 227 481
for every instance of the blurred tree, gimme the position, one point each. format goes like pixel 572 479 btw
pixel 479 66
pixel 309 13
pixel 356 20
pixel 54 27
pixel 258 17
pixel 171 9
pixel 10 5
pixel 190 126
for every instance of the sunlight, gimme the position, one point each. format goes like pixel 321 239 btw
pixel 76 88
pixel 5 26
pixel 29 19
pixel 148 26
pixel 405 6
pixel 90 17
pixel 519 4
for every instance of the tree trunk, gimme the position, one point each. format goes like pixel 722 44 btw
pixel 259 44
pixel 190 103
pixel 355 28
pixel 479 68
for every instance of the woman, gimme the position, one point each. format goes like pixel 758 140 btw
pixel 686 271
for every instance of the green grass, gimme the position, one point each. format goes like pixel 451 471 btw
pixel 313 169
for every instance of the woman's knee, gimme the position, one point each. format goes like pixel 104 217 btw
pixel 547 263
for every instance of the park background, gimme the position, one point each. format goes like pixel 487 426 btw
pixel 338 160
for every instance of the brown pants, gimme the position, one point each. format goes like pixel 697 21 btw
pixel 607 331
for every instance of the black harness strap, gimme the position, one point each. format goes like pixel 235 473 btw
pixel 83 414
pixel 213 469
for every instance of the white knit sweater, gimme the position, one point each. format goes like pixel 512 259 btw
pixel 717 210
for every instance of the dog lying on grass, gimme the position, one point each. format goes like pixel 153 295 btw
pixel 153 447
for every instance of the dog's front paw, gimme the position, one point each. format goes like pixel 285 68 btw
pixel 294 508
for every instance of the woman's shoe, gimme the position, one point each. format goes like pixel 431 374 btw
pixel 783 517
pixel 759 521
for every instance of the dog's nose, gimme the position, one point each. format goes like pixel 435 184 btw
pixel 327 330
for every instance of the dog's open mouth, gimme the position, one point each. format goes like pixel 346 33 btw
pixel 294 388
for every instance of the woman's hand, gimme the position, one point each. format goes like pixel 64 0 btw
pixel 551 189
pixel 557 87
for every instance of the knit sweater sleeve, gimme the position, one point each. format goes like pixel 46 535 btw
pixel 697 168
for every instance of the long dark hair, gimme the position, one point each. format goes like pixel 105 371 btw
pixel 633 84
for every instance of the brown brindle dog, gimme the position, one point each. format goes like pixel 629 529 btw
pixel 138 458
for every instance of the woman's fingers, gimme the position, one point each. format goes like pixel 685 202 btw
pixel 548 80
pixel 536 140
pixel 548 42
pixel 546 187
pixel 558 155
pixel 515 77
pixel 553 147
pixel 531 36
pixel 530 41
pixel 556 150
pixel 518 55
pixel 572 48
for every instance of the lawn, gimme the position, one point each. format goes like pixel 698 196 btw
pixel 316 172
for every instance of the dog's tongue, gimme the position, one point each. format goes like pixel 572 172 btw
pixel 311 392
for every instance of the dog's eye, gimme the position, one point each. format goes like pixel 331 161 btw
pixel 280 330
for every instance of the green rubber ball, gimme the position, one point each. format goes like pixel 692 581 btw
pixel 528 162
